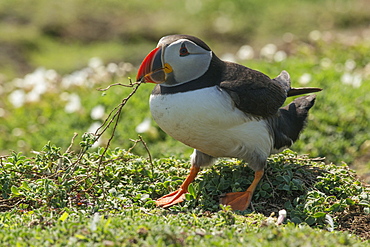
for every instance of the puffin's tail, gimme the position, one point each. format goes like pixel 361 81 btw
pixel 290 121
pixel 302 90
pixel 284 80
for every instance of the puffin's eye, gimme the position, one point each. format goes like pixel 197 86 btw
pixel 183 51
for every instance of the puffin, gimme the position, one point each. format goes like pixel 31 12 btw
pixel 220 109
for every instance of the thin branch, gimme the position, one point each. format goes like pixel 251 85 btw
pixel 72 141
pixel 119 84
pixel 134 145
pixel 147 150
pixel 115 117
pixel 112 116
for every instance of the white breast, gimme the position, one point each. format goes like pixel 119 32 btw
pixel 207 120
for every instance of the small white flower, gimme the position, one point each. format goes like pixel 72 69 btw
pixel 325 62
pixel 282 215
pixel 17 132
pixel 95 62
pixel 315 35
pixel 268 51
pixel 280 56
pixel 97 112
pixel 245 52
pixel 17 98
pixel 346 78
pixel 112 68
pixel 350 64
pixel 94 221
pixel 74 103
pixel 144 126
pixel 33 96
pixel 355 80
pixel 305 79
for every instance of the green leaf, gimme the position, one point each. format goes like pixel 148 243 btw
pixel 286 187
pixel 319 215
pixel 191 190
pixel 79 236
pixel 25 185
pixel 364 203
pixel 296 220
pixel 350 202
pixel 15 191
pixel 310 220
pixel 64 216
pixel 107 223
pixel 266 186
pixel 166 183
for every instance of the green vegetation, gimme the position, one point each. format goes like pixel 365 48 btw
pixel 57 198
pixel 63 35
pixel 58 189
pixel 337 127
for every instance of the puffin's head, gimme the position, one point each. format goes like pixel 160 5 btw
pixel 176 60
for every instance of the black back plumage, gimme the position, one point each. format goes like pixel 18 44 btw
pixel 252 91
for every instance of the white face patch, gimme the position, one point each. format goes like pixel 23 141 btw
pixel 188 61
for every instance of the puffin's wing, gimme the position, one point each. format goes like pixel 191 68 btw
pixel 253 92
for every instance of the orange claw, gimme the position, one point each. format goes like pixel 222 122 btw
pixel 178 195
pixel 241 200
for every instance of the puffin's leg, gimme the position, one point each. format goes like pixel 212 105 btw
pixel 198 159
pixel 241 200
pixel 178 195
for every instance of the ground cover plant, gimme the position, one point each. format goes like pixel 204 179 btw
pixel 62 198
pixel 69 179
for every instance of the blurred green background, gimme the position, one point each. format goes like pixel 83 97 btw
pixel 63 35
pixel 55 54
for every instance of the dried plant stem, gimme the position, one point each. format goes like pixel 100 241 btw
pixel 114 115
pixel 72 141
pixel 120 84
pixel 113 118
pixel 145 146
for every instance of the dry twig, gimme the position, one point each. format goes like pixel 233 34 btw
pixel 114 115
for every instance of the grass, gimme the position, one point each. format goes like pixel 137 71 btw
pixel 156 228
pixel 76 199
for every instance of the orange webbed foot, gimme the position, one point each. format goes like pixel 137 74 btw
pixel 237 200
pixel 241 200
pixel 171 199
pixel 178 195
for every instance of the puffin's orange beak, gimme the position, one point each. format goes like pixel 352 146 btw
pixel 152 68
